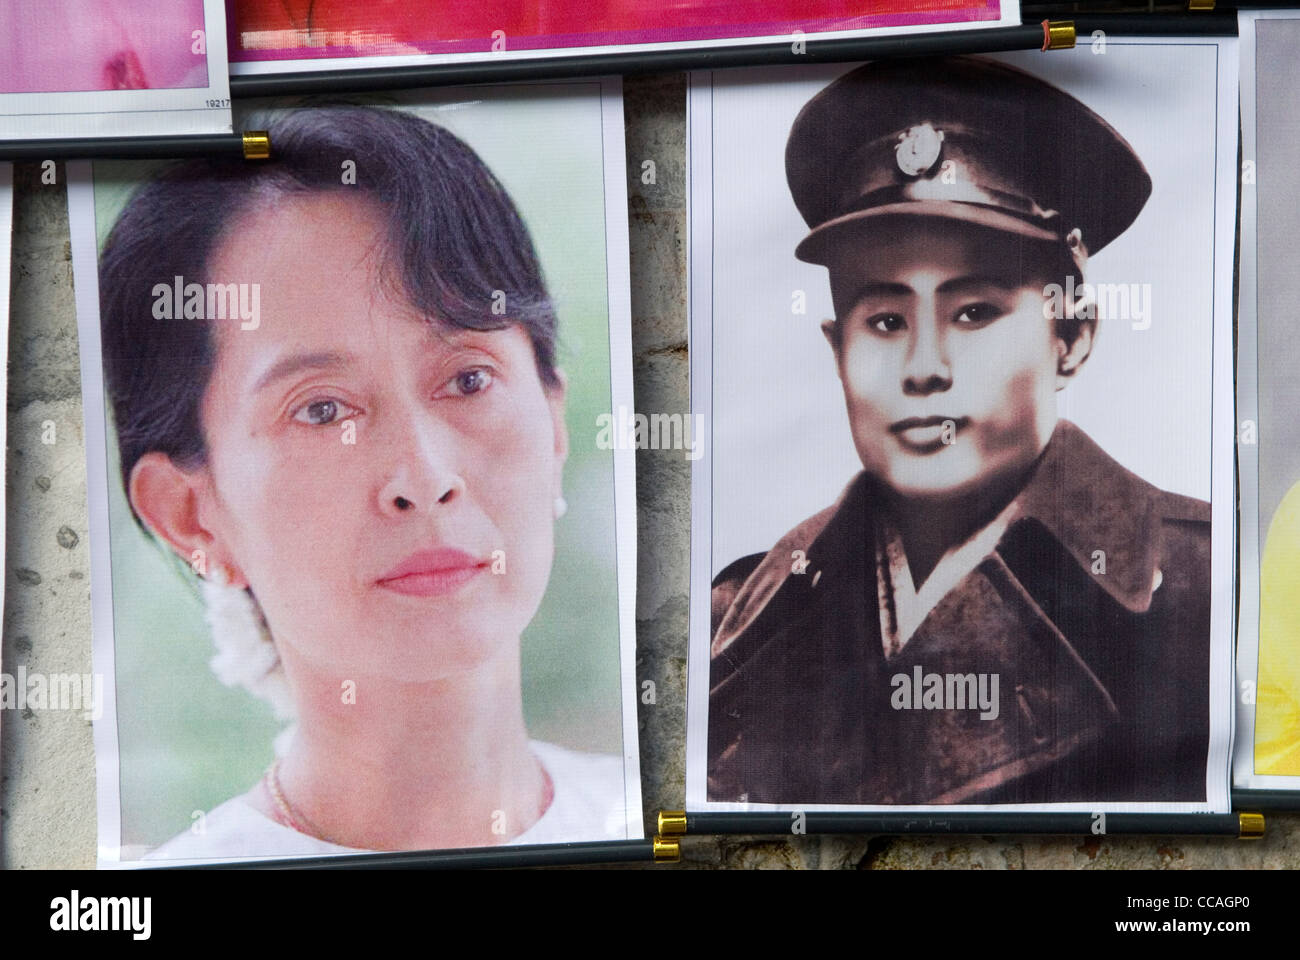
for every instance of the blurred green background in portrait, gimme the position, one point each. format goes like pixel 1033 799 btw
pixel 188 743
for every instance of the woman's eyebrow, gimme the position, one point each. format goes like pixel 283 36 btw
pixel 296 362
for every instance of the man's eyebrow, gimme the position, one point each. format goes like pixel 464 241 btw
pixel 955 285
pixel 296 362
pixel 880 289
pixel 959 284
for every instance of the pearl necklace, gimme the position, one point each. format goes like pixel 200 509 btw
pixel 272 781
pixel 295 821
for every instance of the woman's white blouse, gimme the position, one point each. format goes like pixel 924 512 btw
pixel 588 805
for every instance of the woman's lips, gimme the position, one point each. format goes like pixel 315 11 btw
pixel 432 573
pixel 928 434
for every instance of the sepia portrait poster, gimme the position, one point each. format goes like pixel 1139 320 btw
pixel 363 576
pixel 961 333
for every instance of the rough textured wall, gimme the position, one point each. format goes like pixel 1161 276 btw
pixel 47 772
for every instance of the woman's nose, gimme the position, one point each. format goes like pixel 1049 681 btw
pixel 926 368
pixel 421 476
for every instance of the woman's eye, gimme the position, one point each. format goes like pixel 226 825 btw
pixel 320 412
pixel 978 313
pixel 887 323
pixel 473 380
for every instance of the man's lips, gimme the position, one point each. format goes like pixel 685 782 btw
pixel 431 573
pixel 927 434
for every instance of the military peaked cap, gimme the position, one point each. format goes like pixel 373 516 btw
pixel 966 138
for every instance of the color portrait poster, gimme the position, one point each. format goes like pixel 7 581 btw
pixel 1268 448
pixel 363 576
pixel 273 36
pixel 112 68
pixel 961 333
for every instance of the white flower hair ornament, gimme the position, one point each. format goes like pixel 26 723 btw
pixel 246 655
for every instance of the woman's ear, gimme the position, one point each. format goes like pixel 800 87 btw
pixel 555 396
pixel 171 503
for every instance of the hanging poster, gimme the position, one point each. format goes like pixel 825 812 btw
pixel 286 36
pixel 1268 450
pixel 113 68
pixel 961 332
pixel 362 577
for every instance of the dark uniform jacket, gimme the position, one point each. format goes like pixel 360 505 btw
pixel 1103 677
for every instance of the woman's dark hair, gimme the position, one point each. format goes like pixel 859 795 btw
pixel 455 242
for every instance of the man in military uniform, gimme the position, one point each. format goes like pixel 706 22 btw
pixel 995 610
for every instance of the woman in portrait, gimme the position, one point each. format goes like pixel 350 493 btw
pixel 334 382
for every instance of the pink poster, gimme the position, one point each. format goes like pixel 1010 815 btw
pixel 272 36
pixel 73 68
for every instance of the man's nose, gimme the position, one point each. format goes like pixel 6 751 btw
pixel 926 369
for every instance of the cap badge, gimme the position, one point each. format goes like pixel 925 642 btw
pixel 918 149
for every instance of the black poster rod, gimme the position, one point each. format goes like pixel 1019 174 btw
pixel 790 51
pixel 660 849
pixel 1245 826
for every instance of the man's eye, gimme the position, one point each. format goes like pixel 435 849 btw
pixel 467 382
pixel 320 412
pixel 978 313
pixel 887 323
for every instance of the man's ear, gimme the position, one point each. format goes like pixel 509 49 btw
pixel 831 331
pixel 1073 354
pixel 171 503
pixel 555 396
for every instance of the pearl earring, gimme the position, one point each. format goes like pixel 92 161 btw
pixel 561 507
